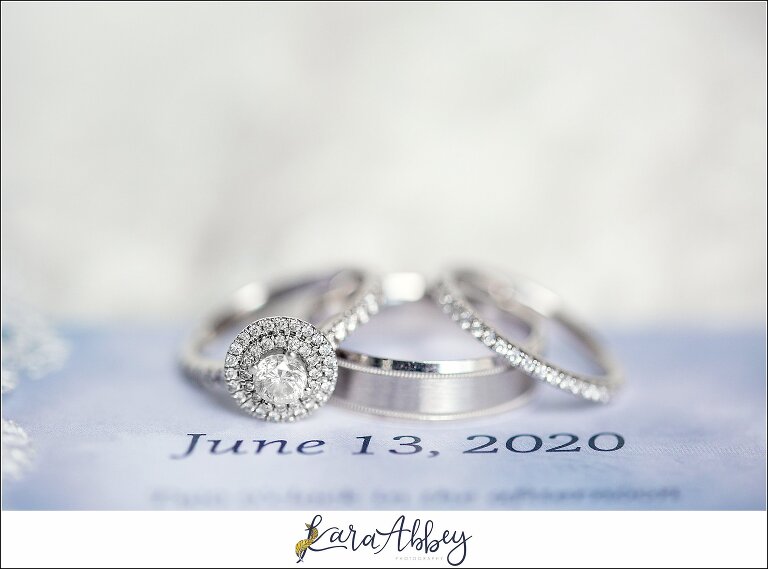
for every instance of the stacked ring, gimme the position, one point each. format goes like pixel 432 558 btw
pixel 453 293
pixel 434 389
pixel 280 368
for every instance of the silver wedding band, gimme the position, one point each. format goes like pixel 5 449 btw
pixel 432 389
pixel 282 368
pixel 454 291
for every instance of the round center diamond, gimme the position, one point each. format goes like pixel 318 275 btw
pixel 280 378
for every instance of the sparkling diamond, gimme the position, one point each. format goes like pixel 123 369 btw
pixel 296 380
pixel 529 364
pixel 372 304
pixel 514 356
pixel 240 396
pixel 280 378
pixel 592 393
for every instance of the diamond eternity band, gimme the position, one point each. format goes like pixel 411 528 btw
pixel 452 292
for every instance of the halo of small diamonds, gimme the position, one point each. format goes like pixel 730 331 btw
pixel 453 304
pixel 309 362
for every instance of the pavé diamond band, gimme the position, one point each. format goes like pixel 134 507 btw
pixel 454 292
pixel 280 368
pixel 434 389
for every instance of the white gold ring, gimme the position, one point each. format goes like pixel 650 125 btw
pixel 434 389
pixel 454 291
pixel 280 368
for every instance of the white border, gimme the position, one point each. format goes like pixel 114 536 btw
pixel 266 539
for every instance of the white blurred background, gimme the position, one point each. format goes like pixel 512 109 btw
pixel 156 156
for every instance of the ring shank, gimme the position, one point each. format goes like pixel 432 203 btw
pixel 254 299
pixel 432 389
pixel 432 398
pixel 456 291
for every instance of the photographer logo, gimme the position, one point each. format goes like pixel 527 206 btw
pixel 417 538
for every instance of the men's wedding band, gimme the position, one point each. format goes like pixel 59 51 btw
pixel 434 389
